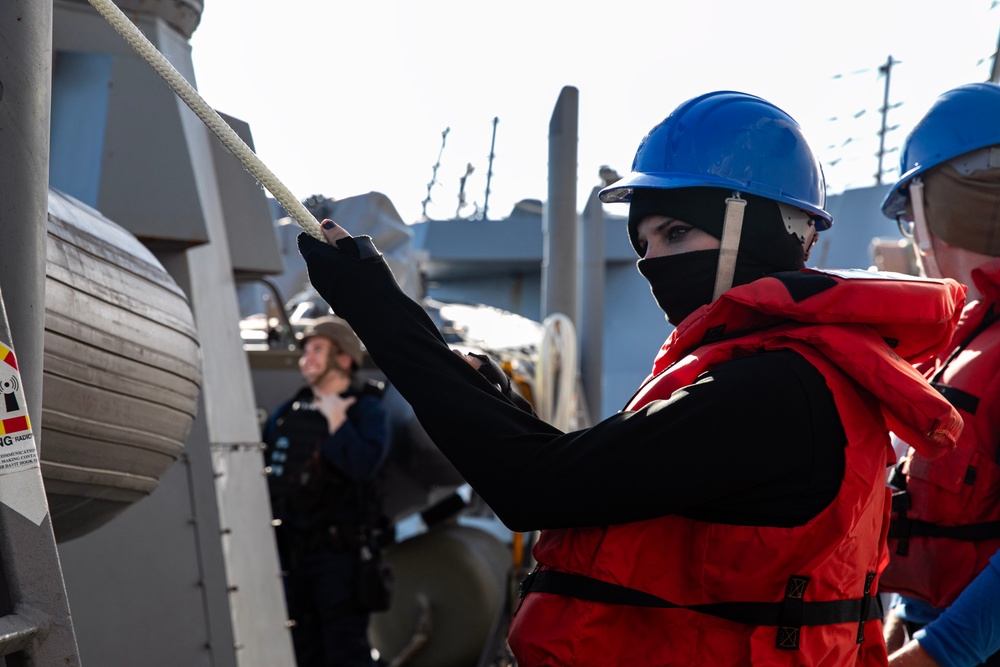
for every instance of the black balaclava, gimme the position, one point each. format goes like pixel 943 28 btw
pixel 682 283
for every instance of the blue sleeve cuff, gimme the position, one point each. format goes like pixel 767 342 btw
pixel 968 632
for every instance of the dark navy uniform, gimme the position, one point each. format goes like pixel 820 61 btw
pixel 323 492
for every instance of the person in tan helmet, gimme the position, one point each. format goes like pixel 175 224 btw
pixel 324 447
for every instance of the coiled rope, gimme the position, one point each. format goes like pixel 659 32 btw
pixel 208 115
pixel 555 375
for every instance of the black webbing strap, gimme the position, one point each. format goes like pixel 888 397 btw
pixel 962 400
pixel 902 528
pixel 901 501
pixel 788 615
pixel 958 398
pixel 989 319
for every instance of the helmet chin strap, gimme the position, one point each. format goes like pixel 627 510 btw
pixel 330 370
pixel 732 229
pixel 921 232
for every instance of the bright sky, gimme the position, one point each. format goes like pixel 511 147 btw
pixel 348 97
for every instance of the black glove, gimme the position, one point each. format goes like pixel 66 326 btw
pixel 350 249
pixel 492 372
pixel 327 264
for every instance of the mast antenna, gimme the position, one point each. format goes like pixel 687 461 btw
pixel 434 172
pixel 489 171
pixel 885 68
pixel 461 189
pixel 995 69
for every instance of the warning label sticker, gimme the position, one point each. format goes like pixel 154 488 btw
pixel 17 444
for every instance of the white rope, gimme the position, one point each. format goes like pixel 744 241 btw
pixel 208 115
pixel 555 374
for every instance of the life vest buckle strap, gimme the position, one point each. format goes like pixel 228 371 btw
pixel 788 639
pixel 788 616
pixel 866 602
pixel 901 501
pixel 902 528
pixel 790 622
pixel 526 584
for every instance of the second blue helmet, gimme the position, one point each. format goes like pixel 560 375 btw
pixel 960 121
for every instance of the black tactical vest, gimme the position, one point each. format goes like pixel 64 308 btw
pixel 317 505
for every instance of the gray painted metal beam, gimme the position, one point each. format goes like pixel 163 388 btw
pixel 591 326
pixel 559 252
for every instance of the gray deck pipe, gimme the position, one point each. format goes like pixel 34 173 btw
pixel 36 618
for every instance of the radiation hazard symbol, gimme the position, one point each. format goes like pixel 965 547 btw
pixel 17 444
pixel 21 488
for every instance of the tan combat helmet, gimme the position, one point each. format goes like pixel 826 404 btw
pixel 339 331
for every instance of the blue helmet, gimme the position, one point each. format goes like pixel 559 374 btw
pixel 961 120
pixel 732 141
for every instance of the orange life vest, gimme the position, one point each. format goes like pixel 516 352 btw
pixel 840 326
pixel 946 514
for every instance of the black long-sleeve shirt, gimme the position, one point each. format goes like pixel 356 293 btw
pixel 755 441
